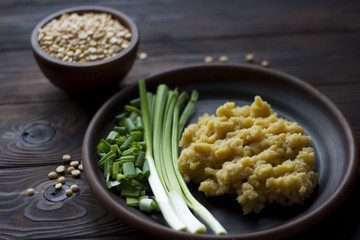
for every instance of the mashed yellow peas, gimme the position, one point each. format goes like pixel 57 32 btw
pixel 251 152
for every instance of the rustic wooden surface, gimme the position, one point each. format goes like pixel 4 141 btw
pixel 317 41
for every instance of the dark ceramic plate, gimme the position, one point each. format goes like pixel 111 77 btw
pixel 332 138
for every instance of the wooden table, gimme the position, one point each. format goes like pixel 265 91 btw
pixel 317 41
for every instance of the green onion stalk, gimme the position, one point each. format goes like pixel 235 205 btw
pixel 162 126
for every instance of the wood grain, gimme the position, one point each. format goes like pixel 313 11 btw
pixel 166 21
pixel 34 217
pixel 313 63
pixel 65 120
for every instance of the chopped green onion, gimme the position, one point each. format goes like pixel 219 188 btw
pixel 138 123
pixel 110 155
pixel 143 197
pixel 147 205
pixel 133 116
pixel 128 123
pixel 111 184
pixel 103 146
pixel 107 169
pixel 135 102
pixel 124 183
pixel 115 170
pixel 132 109
pixel 131 201
pixel 141 144
pixel 140 159
pixel 112 136
pixel 129 169
pixel 130 151
pixel 120 130
pixel 121 116
pixel 146 168
pixel 120 140
pixel 135 183
pixel 127 142
pixel 137 135
pixel 115 149
pixel 127 158
pixel 139 174
pixel 133 192
pixel 120 176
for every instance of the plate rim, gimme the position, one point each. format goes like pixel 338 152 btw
pixel 285 230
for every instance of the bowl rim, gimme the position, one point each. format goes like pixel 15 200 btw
pixel 296 226
pixel 120 16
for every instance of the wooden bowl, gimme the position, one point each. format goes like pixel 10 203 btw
pixel 76 77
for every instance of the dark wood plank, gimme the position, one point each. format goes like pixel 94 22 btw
pixel 35 217
pixel 168 21
pixel 38 134
pixel 83 216
pixel 311 58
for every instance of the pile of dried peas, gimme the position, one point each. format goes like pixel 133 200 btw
pixel 84 37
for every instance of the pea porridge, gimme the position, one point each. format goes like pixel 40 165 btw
pixel 251 153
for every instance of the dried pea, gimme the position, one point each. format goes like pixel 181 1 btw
pixel 223 58
pixel 74 163
pixel 209 59
pixel 80 167
pixel 60 169
pixel 70 169
pixel 75 173
pixel 66 157
pixel 61 180
pixel 250 57
pixel 265 63
pixel 30 191
pixel 68 192
pixel 143 55
pixel 74 188
pixel 52 175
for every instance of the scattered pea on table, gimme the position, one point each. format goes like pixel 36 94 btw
pixel 52 175
pixel 30 191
